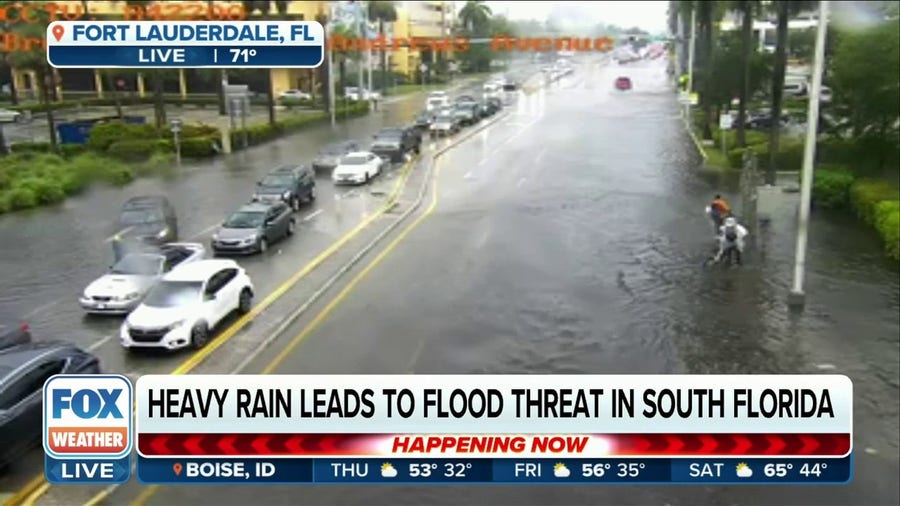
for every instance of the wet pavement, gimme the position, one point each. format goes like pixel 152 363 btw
pixel 585 204
pixel 66 247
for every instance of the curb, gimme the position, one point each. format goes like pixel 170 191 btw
pixel 694 138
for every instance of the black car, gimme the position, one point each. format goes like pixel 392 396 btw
pixel 291 184
pixel 395 143
pixel 492 106
pixel 253 227
pixel 23 370
pixel 424 120
pixel 149 219
pixel 330 155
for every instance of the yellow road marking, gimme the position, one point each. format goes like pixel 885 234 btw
pixel 38 486
pixel 149 491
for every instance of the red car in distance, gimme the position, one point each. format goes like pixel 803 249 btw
pixel 623 84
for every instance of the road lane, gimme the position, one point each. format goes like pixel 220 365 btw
pixel 590 266
pixel 336 211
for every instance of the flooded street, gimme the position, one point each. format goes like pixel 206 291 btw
pixel 568 237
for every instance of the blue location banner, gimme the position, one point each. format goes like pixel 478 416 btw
pixel 721 471
pixel 188 56
pixel 87 471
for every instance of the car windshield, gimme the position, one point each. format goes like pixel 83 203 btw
pixel 334 149
pixel 276 181
pixel 245 219
pixel 138 265
pixel 140 216
pixel 444 118
pixel 389 134
pixel 353 160
pixel 174 294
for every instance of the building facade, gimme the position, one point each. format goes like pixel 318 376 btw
pixel 421 20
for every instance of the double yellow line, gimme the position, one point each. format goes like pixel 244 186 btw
pixel 38 486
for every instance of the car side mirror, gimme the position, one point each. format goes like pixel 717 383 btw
pixel 209 296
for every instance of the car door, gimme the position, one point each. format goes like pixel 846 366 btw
pixel 215 307
pixel 20 405
pixel 374 165
pixel 281 219
pixel 270 225
pixel 227 291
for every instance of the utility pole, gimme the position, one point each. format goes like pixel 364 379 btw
pixel 692 45
pixel 331 24
pixel 368 46
pixel 360 23
pixel 797 298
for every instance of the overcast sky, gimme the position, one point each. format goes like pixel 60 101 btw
pixel 648 15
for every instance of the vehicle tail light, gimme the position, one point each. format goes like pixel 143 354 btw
pixel 25 327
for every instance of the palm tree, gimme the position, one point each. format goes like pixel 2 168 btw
pixel 747 9
pixel 708 14
pixel 344 56
pixel 264 8
pixel 383 12
pixel 475 16
pixel 35 59
pixel 784 10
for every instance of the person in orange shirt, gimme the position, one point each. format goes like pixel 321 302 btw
pixel 718 211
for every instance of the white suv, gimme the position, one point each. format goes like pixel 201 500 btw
pixel 187 304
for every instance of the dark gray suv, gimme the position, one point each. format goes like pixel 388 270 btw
pixel 290 184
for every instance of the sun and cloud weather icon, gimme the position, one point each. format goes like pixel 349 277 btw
pixel 743 470
pixel 561 471
pixel 388 470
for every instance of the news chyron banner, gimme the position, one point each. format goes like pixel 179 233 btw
pixel 88 431
pixel 185 44
pixel 564 429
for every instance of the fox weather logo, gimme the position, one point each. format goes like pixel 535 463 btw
pixel 88 417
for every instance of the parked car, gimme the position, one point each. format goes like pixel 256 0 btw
pixel 424 120
pixel 329 156
pixel 253 227
pixel 445 124
pixel 795 89
pixel 150 219
pixel 292 184
pixel 353 93
pixel 465 100
pixel 466 113
pixel 492 106
pixel 186 306
pixel 357 168
pixel 825 95
pixel 394 144
pixel 294 95
pixel 122 288
pixel 10 116
pixel 435 102
pixel 623 83
pixel 23 370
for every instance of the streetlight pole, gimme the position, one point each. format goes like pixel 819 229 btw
pixel 331 101
pixel 368 46
pixel 360 20
pixel 797 298
pixel 692 45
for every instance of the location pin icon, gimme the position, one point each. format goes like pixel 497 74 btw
pixel 58 31
pixel 177 468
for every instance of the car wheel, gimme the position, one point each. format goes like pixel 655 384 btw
pixel 245 301
pixel 368 177
pixel 295 203
pixel 263 245
pixel 199 336
pixel 290 228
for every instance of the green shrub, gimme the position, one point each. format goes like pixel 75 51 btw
pixel 94 167
pixel 70 150
pixel 866 194
pixel 158 163
pixel 45 190
pixel 30 147
pixel 19 198
pixel 887 222
pixel 104 135
pixel 831 187
pixel 199 147
pixel 138 149
pixel 193 130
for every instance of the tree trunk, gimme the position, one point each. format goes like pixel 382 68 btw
pixel 220 89
pixel 4 150
pixel 270 97
pixel 13 94
pixel 117 99
pixel 778 87
pixel 159 103
pixel 707 77
pixel 746 46
pixel 45 84
pixel 342 75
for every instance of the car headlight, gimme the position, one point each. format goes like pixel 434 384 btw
pixel 215 237
pixel 286 195
pixel 162 233
pixel 130 296
pixel 249 240
pixel 175 325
